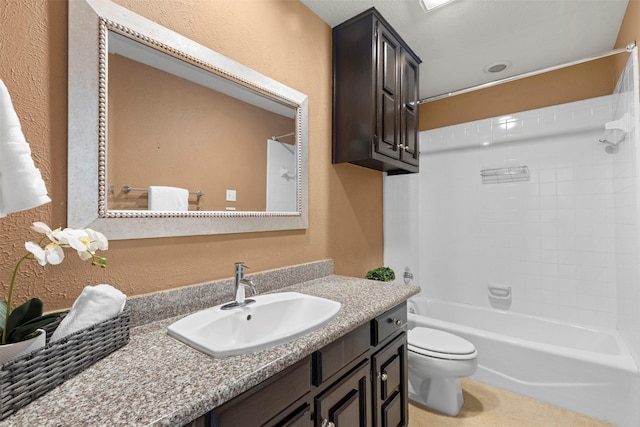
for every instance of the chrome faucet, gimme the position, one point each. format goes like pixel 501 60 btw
pixel 240 283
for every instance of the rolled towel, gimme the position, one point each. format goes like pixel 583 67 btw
pixel 21 184
pixel 168 198
pixel 94 305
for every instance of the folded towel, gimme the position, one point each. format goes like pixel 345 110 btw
pixel 168 198
pixel 21 184
pixel 94 305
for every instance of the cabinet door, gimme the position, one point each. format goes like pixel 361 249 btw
pixel 348 402
pixel 390 384
pixel 298 417
pixel 409 110
pixel 388 93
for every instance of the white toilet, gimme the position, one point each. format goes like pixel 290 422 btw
pixel 437 361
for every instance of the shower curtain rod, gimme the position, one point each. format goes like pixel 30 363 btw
pixel 627 48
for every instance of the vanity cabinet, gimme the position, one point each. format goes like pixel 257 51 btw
pixel 359 380
pixel 375 96
pixel 347 403
pixel 280 397
pixel 390 384
pixel 390 368
pixel 298 416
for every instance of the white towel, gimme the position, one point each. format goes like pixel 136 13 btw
pixel 94 305
pixel 168 198
pixel 21 184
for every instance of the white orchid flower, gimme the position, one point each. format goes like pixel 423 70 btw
pixel 85 241
pixel 56 235
pixel 50 254
pixel 78 240
pixel 41 228
pixel 54 253
pixel 98 241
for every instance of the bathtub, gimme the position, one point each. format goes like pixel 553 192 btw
pixel 582 369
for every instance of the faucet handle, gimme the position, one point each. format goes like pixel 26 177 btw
pixel 240 267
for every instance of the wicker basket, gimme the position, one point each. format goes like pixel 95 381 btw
pixel 28 377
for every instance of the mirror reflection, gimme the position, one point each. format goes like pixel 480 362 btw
pixel 172 124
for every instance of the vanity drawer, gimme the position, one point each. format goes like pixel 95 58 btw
pixel 330 359
pixel 266 400
pixel 389 323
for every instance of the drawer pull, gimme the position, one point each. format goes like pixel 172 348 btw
pixel 399 323
pixel 327 423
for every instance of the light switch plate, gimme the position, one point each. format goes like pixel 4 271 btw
pixel 231 195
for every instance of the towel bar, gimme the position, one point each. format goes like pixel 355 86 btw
pixel 126 189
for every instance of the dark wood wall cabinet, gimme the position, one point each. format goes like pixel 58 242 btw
pixel 359 380
pixel 375 96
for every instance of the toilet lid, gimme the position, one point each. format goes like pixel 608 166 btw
pixel 435 343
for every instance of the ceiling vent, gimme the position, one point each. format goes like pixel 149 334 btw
pixel 497 67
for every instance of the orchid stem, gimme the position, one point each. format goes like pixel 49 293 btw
pixel 10 297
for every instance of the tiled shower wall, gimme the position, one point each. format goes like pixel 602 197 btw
pixel 627 99
pixel 554 239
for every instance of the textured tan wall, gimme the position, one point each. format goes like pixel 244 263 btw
pixel 279 38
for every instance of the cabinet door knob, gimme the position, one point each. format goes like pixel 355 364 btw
pixel 383 377
pixel 327 423
pixel 397 322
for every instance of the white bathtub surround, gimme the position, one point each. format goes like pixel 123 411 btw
pixel 586 370
pixel 566 240
pixel 552 238
pixel 626 198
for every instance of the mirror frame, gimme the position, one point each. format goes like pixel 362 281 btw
pixel 89 24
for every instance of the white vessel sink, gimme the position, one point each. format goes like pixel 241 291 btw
pixel 273 319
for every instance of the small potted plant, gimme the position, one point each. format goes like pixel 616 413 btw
pixel 383 274
pixel 20 326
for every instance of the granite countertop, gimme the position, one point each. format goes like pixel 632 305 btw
pixel 156 380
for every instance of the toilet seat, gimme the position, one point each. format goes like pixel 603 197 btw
pixel 439 344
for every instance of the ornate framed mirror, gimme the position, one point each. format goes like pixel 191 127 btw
pixel 219 146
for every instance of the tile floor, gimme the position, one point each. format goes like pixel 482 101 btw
pixel 487 406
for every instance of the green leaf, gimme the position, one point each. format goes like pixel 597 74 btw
pixel 21 332
pixel 384 274
pixel 22 314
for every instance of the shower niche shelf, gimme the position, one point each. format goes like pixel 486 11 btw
pixel 506 174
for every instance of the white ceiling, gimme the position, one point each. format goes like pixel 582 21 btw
pixel 457 41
